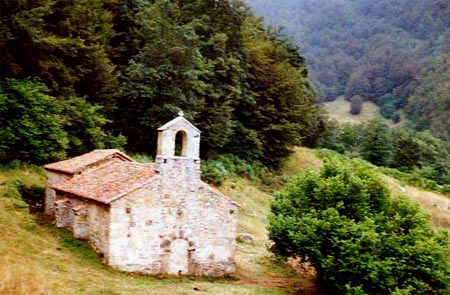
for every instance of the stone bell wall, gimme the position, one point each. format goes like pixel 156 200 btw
pixel 159 231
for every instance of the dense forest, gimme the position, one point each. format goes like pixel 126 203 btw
pixel 392 52
pixel 78 75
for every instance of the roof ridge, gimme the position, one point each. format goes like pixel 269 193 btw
pixel 82 162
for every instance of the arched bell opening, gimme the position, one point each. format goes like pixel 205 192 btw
pixel 181 144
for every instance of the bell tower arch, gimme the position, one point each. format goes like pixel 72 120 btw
pixel 178 152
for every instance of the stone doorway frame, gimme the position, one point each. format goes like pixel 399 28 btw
pixel 166 243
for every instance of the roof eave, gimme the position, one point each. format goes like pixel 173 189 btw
pixel 111 200
pixel 221 195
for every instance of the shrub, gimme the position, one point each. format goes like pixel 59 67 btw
pixel 216 170
pixel 31 123
pixel 360 240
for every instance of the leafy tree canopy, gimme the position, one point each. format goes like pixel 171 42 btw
pixel 360 239
pixel 126 67
pixel 31 122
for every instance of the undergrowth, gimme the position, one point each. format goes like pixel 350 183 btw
pixel 216 170
pixel 413 178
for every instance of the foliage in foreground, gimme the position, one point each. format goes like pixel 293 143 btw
pixel 360 240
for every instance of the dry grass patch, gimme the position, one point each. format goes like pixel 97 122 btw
pixel 339 109
pixel 301 159
pixel 437 205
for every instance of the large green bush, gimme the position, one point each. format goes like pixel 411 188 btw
pixel 360 239
pixel 37 127
pixel 30 122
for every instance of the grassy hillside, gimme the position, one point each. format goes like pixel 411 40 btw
pixel 339 109
pixel 437 205
pixel 38 258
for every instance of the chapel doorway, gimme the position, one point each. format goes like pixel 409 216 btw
pixel 178 258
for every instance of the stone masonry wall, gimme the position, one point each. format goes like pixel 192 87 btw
pixel 87 220
pixel 215 225
pixel 175 231
pixel 50 194
pixel 99 232
pixel 135 225
pixel 178 174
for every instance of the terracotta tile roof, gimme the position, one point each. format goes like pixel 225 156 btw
pixel 80 163
pixel 109 182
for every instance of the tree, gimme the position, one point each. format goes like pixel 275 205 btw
pixel 162 78
pixel 407 149
pixel 130 66
pixel 64 43
pixel 218 25
pixel 356 104
pixel 282 111
pixel 360 239
pixel 429 107
pixel 30 123
pixel 377 146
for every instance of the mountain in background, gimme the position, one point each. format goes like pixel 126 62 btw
pixel 392 52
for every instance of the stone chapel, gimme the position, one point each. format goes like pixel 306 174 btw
pixel 147 218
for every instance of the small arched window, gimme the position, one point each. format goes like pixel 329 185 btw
pixel 181 143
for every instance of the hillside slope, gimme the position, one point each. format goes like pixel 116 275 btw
pixel 435 204
pixel 38 258
pixel 339 109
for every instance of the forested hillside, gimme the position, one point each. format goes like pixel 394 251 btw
pixel 392 52
pixel 78 75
